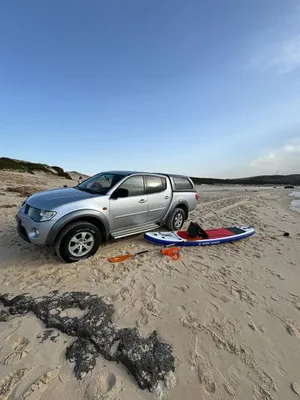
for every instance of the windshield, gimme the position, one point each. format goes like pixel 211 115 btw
pixel 101 183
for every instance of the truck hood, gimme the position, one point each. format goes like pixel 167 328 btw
pixel 51 199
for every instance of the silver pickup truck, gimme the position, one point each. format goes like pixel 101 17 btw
pixel 110 204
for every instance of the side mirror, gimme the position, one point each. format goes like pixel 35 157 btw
pixel 119 193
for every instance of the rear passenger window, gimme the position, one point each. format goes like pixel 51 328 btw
pixel 182 183
pixel 155 184
pixel 134 185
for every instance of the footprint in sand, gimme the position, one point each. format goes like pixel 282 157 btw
pixel 151 306
pixel 151 291
pixel 40 386
pixel 204 373
pixel 10 381
pixel 143 321
pixel 104 386
pixel 20 349
pixel 124 294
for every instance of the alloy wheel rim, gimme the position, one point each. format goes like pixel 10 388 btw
pixel 81 244
pixel 178 220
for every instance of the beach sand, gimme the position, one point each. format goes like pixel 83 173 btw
pixel 231 312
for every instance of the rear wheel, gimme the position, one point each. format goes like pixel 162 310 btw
pixel 176 220
pixel 77 241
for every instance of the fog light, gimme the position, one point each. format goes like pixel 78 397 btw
pixel 34 233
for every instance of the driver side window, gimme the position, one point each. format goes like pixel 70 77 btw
pixel 134 185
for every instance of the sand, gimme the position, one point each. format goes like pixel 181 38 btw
pixel 231 312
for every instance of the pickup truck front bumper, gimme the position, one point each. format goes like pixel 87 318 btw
pixel 31 231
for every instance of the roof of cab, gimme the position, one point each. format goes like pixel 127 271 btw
pixel 126 173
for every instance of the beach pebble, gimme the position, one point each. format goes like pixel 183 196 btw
pixel 296 388
pixel 286 234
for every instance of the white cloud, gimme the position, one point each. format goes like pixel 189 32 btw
pixel 285 160
pixel 282 56
pixel 278 47
pixel 291 148
pixel 285 56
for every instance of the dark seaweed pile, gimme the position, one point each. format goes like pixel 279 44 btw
pixel 148 359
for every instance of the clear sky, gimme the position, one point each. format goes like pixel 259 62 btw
pixel 205 88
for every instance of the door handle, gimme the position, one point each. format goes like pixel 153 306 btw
pixel 167 197
pixel 142 201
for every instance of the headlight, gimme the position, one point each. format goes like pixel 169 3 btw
pixel 40 215
pixel 46 215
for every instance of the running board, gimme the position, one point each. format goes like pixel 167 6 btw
pixel 120 233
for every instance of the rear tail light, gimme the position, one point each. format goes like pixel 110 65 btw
pixel 197 197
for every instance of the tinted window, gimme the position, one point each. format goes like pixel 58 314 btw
pixel 182 183
pixel 155 184
pixel 134 185
pixel 103 181
pixel 100 183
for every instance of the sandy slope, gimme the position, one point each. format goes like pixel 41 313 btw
pixel 231 312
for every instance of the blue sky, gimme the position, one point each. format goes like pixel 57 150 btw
pixel 205 88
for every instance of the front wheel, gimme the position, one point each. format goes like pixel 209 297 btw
pixel 77 241
pixel 176 220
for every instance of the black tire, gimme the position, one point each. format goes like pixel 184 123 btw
pixel 64 239
pixel 173 219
